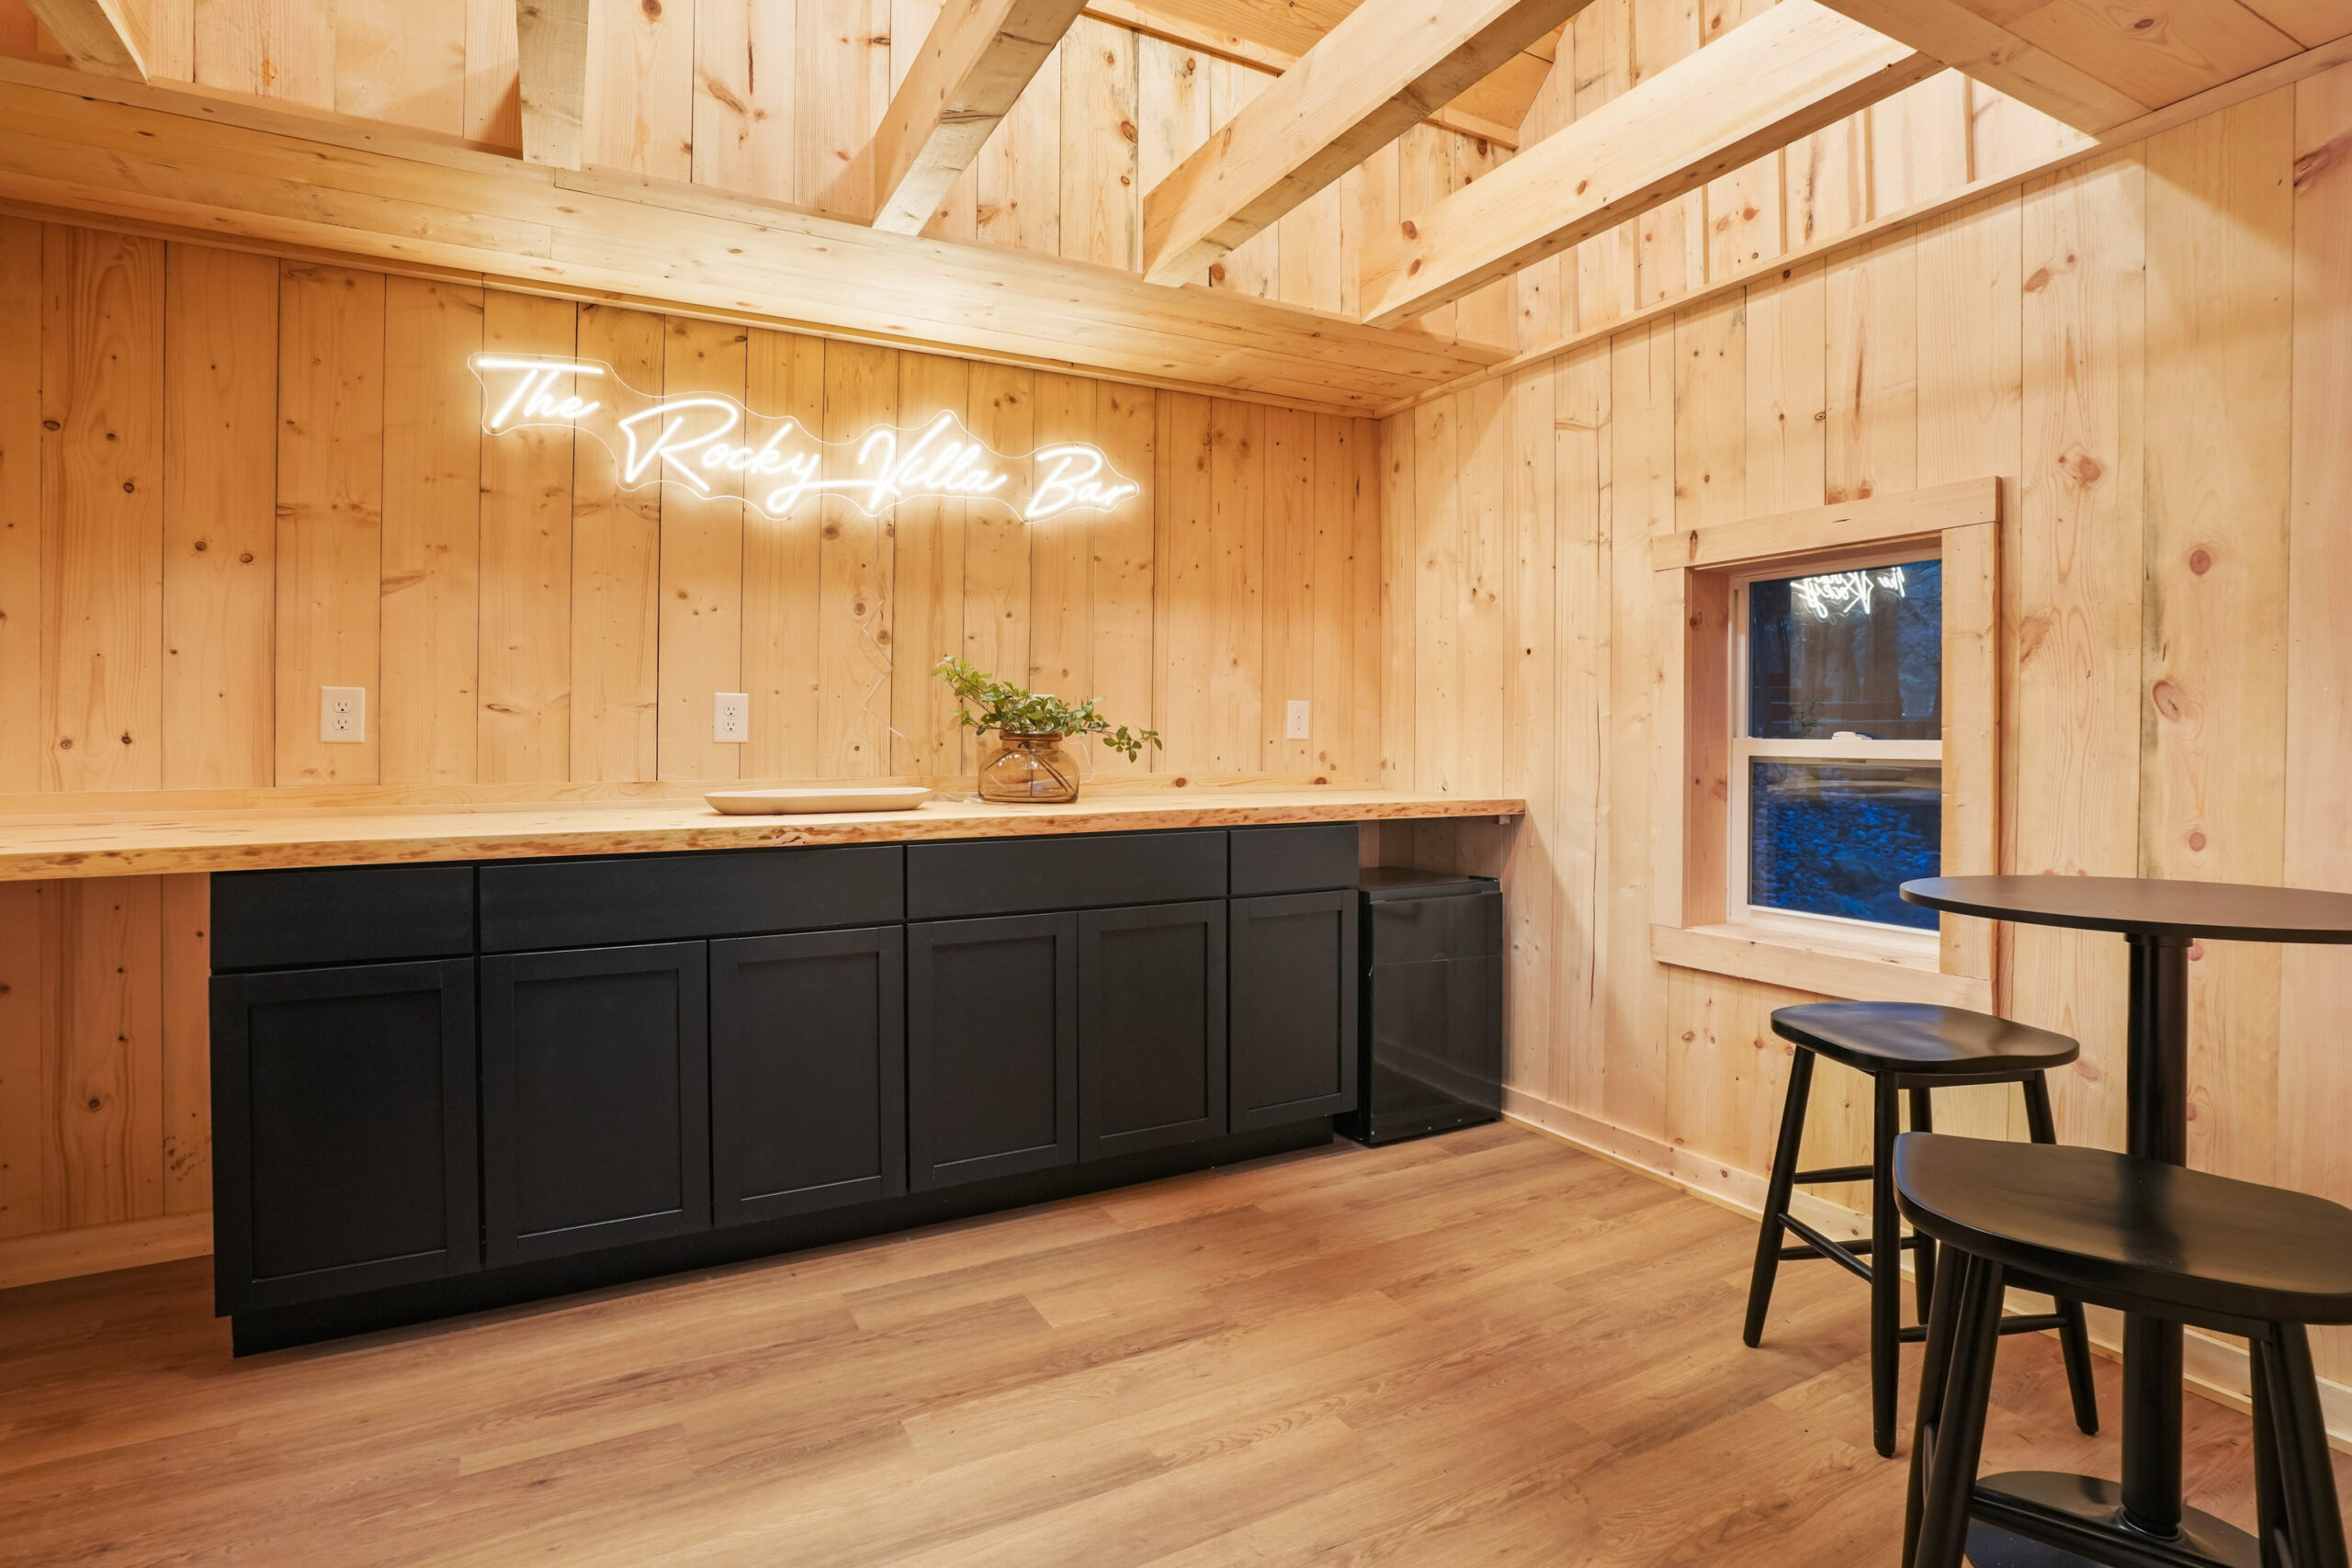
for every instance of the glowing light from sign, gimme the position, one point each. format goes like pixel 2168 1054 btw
pixel 704 440
pixel 1843 592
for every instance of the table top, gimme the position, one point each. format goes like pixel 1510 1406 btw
pixel 2217 911
pixel 123 844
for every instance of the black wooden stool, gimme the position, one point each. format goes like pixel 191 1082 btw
pixel 2138 1235
pixel 1903 1045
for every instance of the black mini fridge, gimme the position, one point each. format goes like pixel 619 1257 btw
pixel 1430 1010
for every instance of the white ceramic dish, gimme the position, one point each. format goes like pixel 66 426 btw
pixel 778 802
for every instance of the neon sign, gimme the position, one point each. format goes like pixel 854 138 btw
pixel 709 442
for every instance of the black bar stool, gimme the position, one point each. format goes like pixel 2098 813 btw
pixel 2139 1235
pixel 1914 1046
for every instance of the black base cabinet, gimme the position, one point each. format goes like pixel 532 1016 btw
pixel 342 1118
pixel 594 1070
pixel 1151 1014
pixel 1293 1007
pixel 808 1082
pixel 991 1047
pixel 596 1099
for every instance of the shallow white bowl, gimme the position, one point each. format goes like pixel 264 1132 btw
pixel 846 797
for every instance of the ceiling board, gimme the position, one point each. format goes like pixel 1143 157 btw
pixel 2155 53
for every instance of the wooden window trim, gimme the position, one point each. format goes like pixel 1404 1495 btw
pixel 1690 927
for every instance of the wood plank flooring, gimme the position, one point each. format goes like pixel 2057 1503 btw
pixel 1482 1349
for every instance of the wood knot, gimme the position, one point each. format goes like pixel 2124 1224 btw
pixel 2196 840
pixel 2170 700
pixel 2201 560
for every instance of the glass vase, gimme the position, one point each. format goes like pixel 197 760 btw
pixel 1032 769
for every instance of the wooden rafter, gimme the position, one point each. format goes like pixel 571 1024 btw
pixel 552 37
pixel 1790 72
pixel 1980 47
pixel 1371 78
pixel 1273 36
pixel 98 35
pixel 971 69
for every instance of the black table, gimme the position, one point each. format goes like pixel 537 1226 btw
pixel 2041 1517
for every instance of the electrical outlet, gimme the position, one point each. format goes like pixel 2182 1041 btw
pixel 1296 729
pixel 342 715
pixel 730 717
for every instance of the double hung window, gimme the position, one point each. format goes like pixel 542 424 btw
pixel 1836 775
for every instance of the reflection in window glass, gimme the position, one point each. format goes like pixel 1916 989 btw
pixel 1841 838
pixel 1847 650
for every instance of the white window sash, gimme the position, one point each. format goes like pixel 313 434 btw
pixel 1746 748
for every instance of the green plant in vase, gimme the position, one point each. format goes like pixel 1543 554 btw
pixel 1028 762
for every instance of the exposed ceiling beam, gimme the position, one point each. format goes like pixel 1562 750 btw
pixel 239 171
pixel 1273 38
pixel 979 55
pixel 1784 75
pixel 1983 49
pixel 551 56
pixel 1371 78
pixel 98 35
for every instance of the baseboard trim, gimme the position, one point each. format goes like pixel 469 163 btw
pixel 101 1249
pixel 2217 1368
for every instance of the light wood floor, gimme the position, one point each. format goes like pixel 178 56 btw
pixel 1484 1348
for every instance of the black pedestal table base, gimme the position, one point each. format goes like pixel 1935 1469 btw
pixel 2038 1519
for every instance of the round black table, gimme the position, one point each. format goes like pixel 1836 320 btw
pixel 2041 1517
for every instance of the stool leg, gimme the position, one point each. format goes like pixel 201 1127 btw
pixel 1960 1425
pixel 1923 1256
pixel 1934 1373
pixel 2307 1477
pixel 2073 1337
pixel 1886 1265
pixel 1777 1189
pixel 2271 1525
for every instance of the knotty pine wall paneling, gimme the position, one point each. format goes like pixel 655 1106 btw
pixel 227 479
pixel 219 517
pixel 2150 348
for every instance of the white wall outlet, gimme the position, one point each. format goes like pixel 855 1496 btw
pixel 1297 728
pixel 342 715
pixel 730 717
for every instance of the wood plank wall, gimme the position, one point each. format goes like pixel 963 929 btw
pixel 2154 348
pixel 227 480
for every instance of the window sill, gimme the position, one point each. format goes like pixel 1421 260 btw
pixel 1826 968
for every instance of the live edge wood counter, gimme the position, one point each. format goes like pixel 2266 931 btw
pixel 142 842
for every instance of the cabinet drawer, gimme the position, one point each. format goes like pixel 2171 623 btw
pixel 286 919
pixel 596 903
pixel 1017 876
pixel 1305 858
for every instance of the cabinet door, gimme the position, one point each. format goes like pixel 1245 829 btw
pixel 596 1099
pixel 991 1047
pixel 343 1115
pixel 1150 1027
pixel 1294 1008
pixel 808 1072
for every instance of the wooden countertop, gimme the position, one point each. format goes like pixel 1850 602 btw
pixel 126 843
